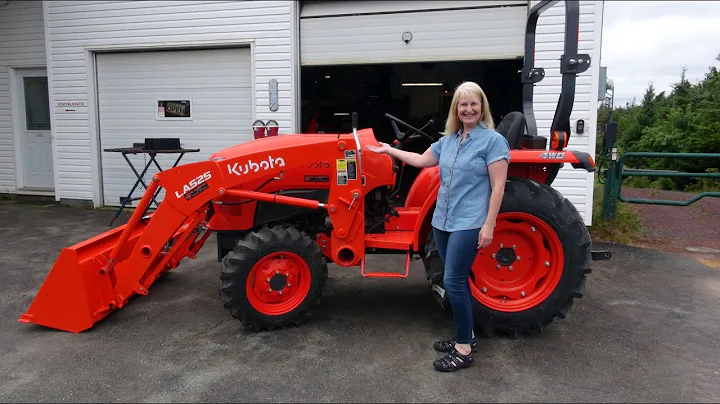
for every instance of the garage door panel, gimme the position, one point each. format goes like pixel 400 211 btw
pixel 473 34
pixel 164 76
pixel 122 98
pixel 217 82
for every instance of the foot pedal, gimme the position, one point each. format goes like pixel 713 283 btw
pixel 386 274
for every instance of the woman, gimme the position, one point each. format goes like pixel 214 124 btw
pixel 473 160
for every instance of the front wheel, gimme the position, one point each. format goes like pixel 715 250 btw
pixel 534 268
pixel 272 277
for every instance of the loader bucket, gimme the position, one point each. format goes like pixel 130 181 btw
pixel 78 291
pixel 93 278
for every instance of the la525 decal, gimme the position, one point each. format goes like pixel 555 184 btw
pixel 194 183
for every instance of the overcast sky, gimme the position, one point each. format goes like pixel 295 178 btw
pixel 651 41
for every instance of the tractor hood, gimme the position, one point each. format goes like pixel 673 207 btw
pixel 284 142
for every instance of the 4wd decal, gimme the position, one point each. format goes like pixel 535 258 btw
pixel 251 166
pixel 190 187
pixel 553 155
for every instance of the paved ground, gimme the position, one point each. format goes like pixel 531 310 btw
pixel 647 330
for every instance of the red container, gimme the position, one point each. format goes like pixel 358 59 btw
pixel 272 128
pixel 259 129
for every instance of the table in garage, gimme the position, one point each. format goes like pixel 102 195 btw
pixel 139 149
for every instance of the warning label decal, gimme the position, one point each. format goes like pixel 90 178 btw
pixel 342 174
pixel 351 169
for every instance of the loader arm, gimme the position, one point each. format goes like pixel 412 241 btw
pixel 95 277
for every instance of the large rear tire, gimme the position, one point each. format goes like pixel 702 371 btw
pixel 535 267
pixel 272 277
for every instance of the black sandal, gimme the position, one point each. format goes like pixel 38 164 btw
pixel 448 345
pixel 453 361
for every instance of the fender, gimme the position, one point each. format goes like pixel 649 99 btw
pixel 429 178
pixel 423 194
pixel 424 190
pixel 543 165
pixel 546 157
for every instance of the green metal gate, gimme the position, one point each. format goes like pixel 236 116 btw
pixel 616 172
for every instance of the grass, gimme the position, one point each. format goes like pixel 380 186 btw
pixel 625 228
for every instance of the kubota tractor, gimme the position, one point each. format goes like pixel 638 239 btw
pixel 283 207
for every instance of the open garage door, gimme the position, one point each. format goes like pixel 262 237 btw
pixel 414 92
pixel 406 58
pixel 202 97
pixel 363 32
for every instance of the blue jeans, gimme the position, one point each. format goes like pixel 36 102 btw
pixel 457 251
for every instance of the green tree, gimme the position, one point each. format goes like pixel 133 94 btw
pixel 687 120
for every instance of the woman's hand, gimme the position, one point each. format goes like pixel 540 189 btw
pixel 486 236
pixel 384 148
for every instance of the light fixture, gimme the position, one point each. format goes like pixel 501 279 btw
pixel 422 84
pixel 341 114
pixel 407 36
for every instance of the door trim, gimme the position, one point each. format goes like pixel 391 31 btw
pixel 14 82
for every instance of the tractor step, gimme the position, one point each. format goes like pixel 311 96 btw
pixel 394 240
pixel 386 274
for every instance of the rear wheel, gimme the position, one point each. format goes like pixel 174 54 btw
pixel 535 267
pixel 272 277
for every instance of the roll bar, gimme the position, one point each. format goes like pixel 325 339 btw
pixel 571 64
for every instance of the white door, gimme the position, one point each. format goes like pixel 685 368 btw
pixel 36 138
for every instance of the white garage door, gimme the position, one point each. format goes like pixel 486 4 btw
pixel 202 97
pixel 362 32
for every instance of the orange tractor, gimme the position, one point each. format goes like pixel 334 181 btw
pixel 284 207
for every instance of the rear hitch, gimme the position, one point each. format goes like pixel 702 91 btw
pixel 601 255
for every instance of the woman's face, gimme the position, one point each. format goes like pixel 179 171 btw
pixel 469 109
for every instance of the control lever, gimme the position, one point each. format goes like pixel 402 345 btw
pixel 430 122
pixel 359 149
pixel 355 196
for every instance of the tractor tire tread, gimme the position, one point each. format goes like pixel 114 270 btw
pixel 550 205
pixel 237 264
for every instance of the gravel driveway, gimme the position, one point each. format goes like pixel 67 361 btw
pixel 675 227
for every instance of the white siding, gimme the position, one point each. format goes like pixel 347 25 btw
pixel 22 44
pixel 371 32
pixel 575 184
pixel 76 28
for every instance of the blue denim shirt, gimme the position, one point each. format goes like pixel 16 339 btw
pixel 464 195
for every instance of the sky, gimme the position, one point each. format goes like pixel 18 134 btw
pixel 651 41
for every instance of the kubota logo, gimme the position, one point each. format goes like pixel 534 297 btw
pixel 251 166
pixel 194 183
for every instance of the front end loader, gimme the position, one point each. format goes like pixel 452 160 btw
pixel 284 207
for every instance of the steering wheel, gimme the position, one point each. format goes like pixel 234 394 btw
pixel 403 136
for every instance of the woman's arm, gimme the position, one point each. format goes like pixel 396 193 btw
pixel 498 176
pixel 426 159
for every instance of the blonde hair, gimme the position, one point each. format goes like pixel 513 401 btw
pixel 470 88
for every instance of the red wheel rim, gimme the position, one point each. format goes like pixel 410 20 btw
pixel 278 283
pixel 524 271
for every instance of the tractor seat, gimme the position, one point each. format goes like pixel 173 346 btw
pixel 512 126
